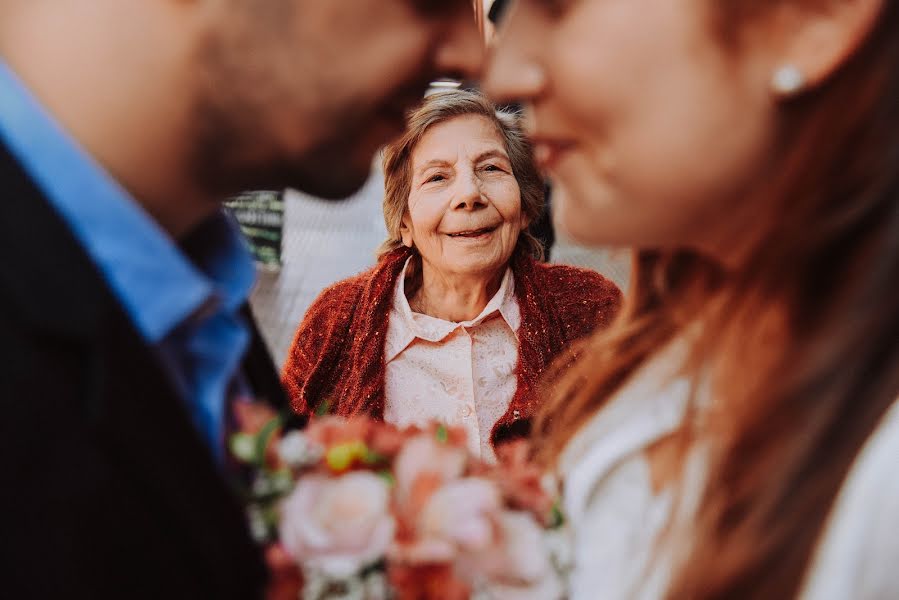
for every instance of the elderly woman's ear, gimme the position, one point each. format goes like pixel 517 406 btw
pixel 406 231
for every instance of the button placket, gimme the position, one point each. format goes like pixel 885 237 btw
pixel 469 412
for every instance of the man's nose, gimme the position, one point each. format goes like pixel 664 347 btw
pixel 461 52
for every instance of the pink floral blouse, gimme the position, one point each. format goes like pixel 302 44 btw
pixel 461 374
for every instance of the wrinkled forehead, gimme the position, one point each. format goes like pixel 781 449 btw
pixel 461 137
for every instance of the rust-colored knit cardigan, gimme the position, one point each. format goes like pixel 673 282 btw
pixel 338 351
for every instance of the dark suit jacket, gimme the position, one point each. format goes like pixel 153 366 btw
pixel 108 491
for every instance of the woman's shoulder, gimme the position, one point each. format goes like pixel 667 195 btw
pixel 576 283
pixel 322 337
pixel 857 553
pixel 583 299
pixel 342 291
pixel 346 292
pixel 337 307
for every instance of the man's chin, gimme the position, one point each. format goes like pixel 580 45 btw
pixel 340 168
pixel 337 184
pixel 323 175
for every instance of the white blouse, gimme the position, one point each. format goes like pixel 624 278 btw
pixel 616 518
pixel 461 374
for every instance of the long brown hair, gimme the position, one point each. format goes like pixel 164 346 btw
pixel 804 338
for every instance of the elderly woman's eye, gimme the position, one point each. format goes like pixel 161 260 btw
pixel 493 168
pixel 435 177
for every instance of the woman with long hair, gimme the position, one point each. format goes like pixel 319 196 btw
pixel 735 434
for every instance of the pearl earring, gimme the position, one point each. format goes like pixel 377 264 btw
pixel 788 80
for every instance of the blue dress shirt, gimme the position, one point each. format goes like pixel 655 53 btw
pixel 185 304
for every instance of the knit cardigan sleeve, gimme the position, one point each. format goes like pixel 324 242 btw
pixel 559 304
pixel 307 374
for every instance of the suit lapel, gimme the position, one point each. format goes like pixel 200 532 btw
pixel 149 432
pixel 129 399
pixel 43 270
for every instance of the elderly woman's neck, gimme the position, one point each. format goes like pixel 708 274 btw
pixel 451 296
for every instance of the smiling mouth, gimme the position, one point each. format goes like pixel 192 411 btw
pixel 548 152
pixel 473 233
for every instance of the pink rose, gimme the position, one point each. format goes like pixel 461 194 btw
pixel 463 512
pixel 330 430
pixel 423 465
pixel 517 566
pixel 459 517
pixel 519 555
pixel 337 525
pixel 524 484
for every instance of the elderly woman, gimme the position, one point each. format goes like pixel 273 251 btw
pixel 458 319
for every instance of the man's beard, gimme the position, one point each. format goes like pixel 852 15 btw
pixel 260 125
pixel 242 105
pixel 235 149
pixel 228 161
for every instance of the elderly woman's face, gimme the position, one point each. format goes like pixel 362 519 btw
pixel 464 212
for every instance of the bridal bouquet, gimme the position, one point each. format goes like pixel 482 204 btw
pixel 361 509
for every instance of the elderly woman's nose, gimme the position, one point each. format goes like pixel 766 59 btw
pixel 468 193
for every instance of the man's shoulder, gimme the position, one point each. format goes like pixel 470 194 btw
pixel 46 278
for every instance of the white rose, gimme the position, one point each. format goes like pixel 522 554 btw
pixel 296 450
pixel 519 566
pixel 462 512
pixel 337 525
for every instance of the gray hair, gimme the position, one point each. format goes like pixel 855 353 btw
pixel 440 107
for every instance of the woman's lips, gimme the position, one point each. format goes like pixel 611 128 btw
pixel 548 152
pixel 472 233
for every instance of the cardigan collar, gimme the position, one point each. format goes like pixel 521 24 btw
pixel 405 326
pixel 540 336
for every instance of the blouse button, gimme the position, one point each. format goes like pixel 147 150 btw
pixel 467 410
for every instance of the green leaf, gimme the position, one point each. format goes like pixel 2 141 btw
pixel 243 447
pixel 282 481
pixel 323 408
pixel 387 476
pixel 557 517
pixel 371 458
pixel 264 436
pixel 442 434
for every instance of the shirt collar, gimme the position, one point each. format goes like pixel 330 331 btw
pixel 154 280
pixel 406 325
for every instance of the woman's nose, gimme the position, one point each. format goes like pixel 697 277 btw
pixel 468 194
pixel 514 72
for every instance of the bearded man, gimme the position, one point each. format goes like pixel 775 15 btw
pixel 123 288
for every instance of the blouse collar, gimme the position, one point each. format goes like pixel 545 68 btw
pixel 406 325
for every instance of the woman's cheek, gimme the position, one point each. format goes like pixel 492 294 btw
pixel 430 213
pixel 504 194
